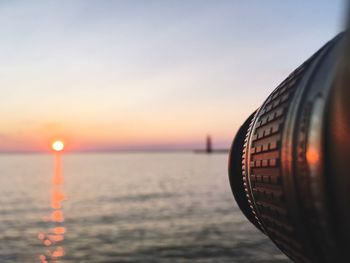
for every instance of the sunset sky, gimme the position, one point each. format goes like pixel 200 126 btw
pixel 109 75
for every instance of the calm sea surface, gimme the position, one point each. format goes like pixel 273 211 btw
pixel 124 208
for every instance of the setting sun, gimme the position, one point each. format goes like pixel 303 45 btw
pixel 57 146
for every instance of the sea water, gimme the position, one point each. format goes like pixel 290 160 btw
pixel 124 207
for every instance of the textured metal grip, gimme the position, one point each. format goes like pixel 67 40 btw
pixel 262 167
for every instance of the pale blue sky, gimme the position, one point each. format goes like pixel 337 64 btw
pixel 141 74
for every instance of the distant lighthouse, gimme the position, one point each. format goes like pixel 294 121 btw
pixel 209 147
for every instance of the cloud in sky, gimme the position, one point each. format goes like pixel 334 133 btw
pixel 147 73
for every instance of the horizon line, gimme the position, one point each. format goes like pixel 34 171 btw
pixel 184 150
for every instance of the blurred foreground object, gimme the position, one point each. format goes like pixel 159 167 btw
pixel 290 161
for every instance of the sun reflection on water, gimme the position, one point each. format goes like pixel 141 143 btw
pixel 53 238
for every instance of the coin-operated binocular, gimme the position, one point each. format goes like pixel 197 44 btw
pixel 290 161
